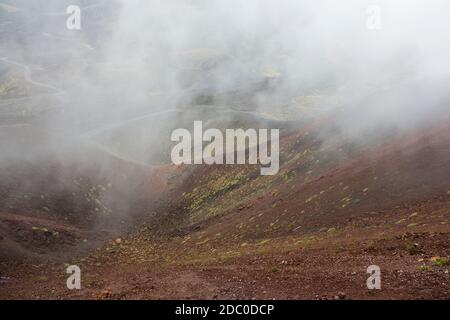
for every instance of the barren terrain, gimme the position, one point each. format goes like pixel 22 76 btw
pixel 225 232
pixel 86 177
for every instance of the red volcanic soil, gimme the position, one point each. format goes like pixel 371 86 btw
pixel 225 232
pixel 53 204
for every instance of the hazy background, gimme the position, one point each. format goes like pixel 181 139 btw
pixel 81 111
pixel 154 55
pixel 286 59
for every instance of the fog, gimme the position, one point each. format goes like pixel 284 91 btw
pixel 158 55
pixel 324 46
pixel 281 60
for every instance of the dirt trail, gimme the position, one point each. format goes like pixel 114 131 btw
pixel 28 78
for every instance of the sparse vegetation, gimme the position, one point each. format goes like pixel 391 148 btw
pixel 275 270
pixel 440 261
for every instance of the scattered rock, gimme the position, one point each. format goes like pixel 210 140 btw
pixel 340 296
pixel 104 294
pixel 5 279
pixel 435 258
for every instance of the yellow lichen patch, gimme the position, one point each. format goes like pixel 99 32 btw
pixel 202 242
pixel 12 87
pixel 311 198
pixel 414 215
pixel 186 239
pixel 261 242
pixel 411 225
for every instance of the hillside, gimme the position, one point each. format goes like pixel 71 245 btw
pixel 91 96
pixel 227 232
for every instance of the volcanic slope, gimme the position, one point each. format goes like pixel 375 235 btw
pixel 309 232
